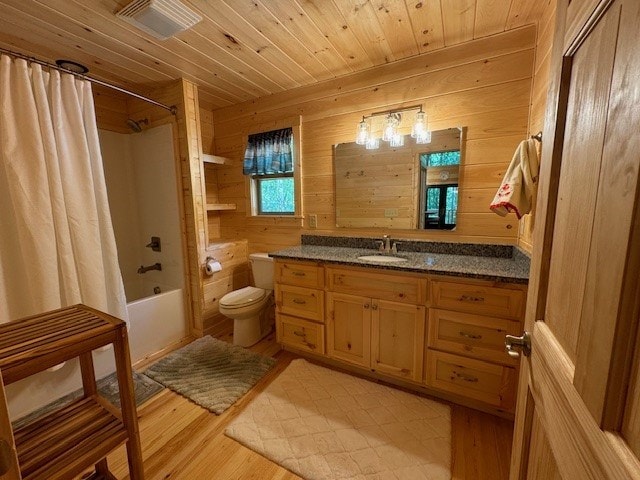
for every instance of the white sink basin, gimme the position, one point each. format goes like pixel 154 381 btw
pixel 382 258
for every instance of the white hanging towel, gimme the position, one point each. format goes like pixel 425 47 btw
pixel 516 191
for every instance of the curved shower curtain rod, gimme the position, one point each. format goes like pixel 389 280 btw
pixel 171 108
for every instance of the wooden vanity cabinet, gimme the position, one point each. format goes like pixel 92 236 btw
pixel 383 332
pixel 465 355
pixel 439 334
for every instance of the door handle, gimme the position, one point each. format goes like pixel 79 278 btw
pixel 514 345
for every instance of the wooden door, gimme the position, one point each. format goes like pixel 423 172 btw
pixel 397 339
pixel 579 397
pixel 349 328
pixel 9 469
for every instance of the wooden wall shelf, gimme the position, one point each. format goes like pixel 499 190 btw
pixel 207 158
pixel 216 207
pixel 67 441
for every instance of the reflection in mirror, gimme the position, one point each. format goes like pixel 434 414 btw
pixel 408 187
pixel 439 173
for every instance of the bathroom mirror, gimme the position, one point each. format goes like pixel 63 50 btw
pixel 410 187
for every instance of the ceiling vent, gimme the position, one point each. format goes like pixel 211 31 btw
pixel 160 18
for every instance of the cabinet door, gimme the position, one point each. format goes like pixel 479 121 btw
pixel 397 339
pixel 9 469
pixel 349 328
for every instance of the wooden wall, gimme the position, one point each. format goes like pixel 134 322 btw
pixel 111 109
pixel 484 85
pixel 232 254
pixel 539 90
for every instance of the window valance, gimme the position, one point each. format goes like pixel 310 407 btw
pixel 269 153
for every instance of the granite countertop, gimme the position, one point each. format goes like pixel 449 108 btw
pixel 513 269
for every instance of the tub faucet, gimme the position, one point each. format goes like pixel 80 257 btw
pixel 155 266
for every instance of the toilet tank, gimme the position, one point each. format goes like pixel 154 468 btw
pixel 262 269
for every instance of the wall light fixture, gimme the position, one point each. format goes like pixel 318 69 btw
pixel 390 129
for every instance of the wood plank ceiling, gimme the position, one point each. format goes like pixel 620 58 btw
pixel 245 49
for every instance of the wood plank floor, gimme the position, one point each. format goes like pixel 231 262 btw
pixel 182 441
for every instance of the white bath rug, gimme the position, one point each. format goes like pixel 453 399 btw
pixel 209 372
pixel 322 424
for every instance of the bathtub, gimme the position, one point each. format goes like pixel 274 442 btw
pixel 156 320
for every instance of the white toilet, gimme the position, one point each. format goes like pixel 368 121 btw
pixel 251 308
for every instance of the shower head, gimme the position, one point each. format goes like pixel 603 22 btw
pixel 135 125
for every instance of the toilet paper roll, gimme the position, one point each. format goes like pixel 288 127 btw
pixel 212 266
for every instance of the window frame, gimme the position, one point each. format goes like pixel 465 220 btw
pixel 251 181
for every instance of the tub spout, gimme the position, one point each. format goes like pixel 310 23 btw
pixel 155 266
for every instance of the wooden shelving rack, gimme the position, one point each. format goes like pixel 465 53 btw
pixel 62 444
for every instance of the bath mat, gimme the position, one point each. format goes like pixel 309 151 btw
pixel 144 388
pixel 209 372
pixel 322 424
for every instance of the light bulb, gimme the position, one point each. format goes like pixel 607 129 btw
pixel 391 128
pixel 397 140
pixel 372 143
pixel 362 134
pixel 420 125
pixel 424 137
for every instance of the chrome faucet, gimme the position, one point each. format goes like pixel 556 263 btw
pixel 155 266
pixel 385 245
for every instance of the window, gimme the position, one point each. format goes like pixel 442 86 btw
pixel 275 194
pixel 270 163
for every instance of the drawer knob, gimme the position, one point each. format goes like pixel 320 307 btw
pixel 299 301
pixel 298 274
pixel 471 298
pixel 374 307
pixel 470 336
pixel 366 305
pixel 299 333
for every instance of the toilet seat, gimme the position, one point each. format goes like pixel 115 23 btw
pixel 243 298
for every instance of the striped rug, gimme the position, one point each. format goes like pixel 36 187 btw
pixel 211 373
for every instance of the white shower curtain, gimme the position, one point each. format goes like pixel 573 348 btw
pixel 57 246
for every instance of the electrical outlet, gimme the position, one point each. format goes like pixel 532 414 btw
pixel 313 220
pixel 390 212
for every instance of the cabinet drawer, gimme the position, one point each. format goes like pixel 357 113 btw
pixel 471 335
pixel 300 302
pixel 486 382
pixel 300 334
pixel 397 288
pixel 299 274
pixel 478 299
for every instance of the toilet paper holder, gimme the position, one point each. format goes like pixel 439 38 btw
pixel 211 265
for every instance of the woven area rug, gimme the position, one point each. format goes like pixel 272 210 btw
pixel 209 372
pixel 322 424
